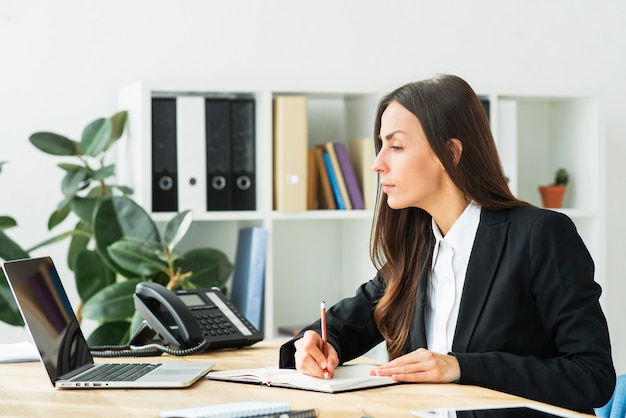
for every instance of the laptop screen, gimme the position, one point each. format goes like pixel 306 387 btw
pixel 48 315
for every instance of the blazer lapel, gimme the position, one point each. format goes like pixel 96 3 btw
pixel 484 260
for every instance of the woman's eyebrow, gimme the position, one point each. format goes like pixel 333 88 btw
pixel 392 134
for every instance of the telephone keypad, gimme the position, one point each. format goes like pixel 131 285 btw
pixel 214 324
pixel 220 322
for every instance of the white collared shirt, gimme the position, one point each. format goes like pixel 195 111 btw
pixel 443 294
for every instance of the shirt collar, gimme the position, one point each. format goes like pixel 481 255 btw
pixel 462 233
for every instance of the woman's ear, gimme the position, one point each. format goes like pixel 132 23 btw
pixel 455 148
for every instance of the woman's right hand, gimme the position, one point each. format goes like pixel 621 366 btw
pixel 310 358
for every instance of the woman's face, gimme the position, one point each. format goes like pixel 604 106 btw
pixel 409 171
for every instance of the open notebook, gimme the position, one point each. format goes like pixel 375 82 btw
pixel 352 377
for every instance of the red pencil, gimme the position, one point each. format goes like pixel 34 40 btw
pixel 324 336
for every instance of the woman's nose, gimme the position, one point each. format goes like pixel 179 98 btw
pixel 378 165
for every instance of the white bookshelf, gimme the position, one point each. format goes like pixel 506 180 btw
pixel 324 254
pixel 536 135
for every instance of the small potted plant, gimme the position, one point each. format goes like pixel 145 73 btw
pixel 552 195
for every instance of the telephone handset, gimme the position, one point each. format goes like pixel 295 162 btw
pixel 188 319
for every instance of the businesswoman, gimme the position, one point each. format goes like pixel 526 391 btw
pixel 474 286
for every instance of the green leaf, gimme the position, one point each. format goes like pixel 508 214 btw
pixel 209 266
pixel 1 164
pixel 9 249
pixel 118 122
pixel 9 312
pixel 124 189
pixel 80 239
pixel 100 192
pixel 54 144
pixel 61 212
pixel 52 240
pixel 85 207
pixel 92 275
pixel 96 137
pixel 104 172
pixel 134 220
pixel 73 181
pixel 7 222
pixel 137 257
pixel 113 303
pixel 69 167
pixel 110 333
pixel 176 228
pixel 118 217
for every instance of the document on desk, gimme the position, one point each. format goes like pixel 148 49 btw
pixel 18 352
pixel 346 378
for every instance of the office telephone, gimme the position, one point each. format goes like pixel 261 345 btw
pixel 186 318
pixel 191 320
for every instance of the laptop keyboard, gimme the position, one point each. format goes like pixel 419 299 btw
pixel 122 372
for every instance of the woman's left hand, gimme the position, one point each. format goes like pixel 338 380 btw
pixel 421 365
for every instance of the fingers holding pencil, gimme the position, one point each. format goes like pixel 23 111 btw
pixel 309 357
pixel 314 355
pixel 324 338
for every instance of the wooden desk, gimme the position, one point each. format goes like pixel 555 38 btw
pixel 26 391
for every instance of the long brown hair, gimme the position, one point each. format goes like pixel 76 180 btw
pixel 402 239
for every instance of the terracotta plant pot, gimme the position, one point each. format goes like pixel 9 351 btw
pixel 552 196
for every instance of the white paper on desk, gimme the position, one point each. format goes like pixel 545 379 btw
pixel 18 352
pixel 230 410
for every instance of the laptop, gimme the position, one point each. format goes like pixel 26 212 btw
pixel 62 347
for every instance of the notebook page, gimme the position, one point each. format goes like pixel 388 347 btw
pixel 345 378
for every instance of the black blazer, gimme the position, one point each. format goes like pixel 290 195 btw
pixel 529 322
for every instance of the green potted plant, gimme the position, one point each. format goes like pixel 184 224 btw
pixel 552 195
pixel 9 250
pixel 115 243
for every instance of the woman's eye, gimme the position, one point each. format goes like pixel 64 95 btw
pixel 395 147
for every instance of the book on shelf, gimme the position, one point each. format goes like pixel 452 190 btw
pixel 346 378
pixel 330 171
pixel 325 197
pixel 313 186
pixel 341 183
pixel 362 154
pixel 290 153
pixel 352 185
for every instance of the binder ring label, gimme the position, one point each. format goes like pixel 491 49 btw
pixel 218 182
pixel 165 183
pixel 244 182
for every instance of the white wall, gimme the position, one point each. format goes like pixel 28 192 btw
pixel 63 61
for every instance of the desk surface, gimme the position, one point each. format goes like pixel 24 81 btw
pixel 26 391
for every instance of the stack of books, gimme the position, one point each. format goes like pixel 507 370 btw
pixel 332 180
pixel 333 175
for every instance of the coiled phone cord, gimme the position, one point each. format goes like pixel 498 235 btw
pixel 144 350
